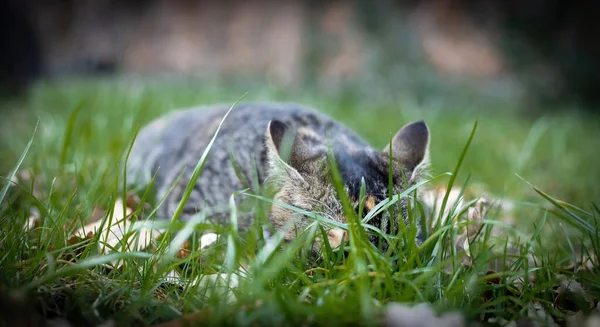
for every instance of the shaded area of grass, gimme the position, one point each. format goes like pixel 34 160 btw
pixel 84 129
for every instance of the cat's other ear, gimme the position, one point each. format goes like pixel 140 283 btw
pixel 287 148
pixel 280 140
pixel 411 144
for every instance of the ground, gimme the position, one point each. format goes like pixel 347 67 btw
pixel 71 175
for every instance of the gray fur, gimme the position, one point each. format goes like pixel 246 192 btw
pixel 254 132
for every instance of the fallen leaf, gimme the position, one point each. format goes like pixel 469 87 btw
pixel 184 251
pixel 570 295
pixel 118 233
pixel 132 201
pixel 97 214
pixel 207 240
pixel 433 199
pixel 33 221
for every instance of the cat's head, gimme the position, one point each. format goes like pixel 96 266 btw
pixel 299 170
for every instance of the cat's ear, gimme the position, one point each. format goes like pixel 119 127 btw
pixel 411 144
pixel 280 140
pixel 282 147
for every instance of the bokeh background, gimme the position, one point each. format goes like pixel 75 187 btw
pixel 534 54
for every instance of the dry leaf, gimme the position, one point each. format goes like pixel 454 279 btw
pixel 118 230
pixel 33 221
pixel 570 295
pixel 462 242
pixel 117 216
pixel 132 201
pixel 433 199
pixel 475 216
pixel 97 214
pixel 207 240
pixel 589 263
pixel 184 251
pixel 581 263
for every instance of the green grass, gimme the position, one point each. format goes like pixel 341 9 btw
pixel 85 127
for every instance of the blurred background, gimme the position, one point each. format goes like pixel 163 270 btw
pixel 531 54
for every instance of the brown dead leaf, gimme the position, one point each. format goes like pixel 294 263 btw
pixel 488 295
pixel 132 201
pixel 97 214
pixel 184 251
pixel 78 239
pixel 583 263
pixel 571 296
pixel 590 264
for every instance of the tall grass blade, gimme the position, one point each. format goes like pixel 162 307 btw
pixel 200 166
pixel 575 220
pixel 454 174
pixel 69 132
pixel 12 173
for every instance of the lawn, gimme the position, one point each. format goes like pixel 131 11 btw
pixel 71 174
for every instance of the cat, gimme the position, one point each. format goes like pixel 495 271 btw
pixel 254 135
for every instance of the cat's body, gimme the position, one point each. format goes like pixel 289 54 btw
pixel 253 135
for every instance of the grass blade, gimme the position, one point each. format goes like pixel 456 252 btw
pixel 200 165
pixel 12 173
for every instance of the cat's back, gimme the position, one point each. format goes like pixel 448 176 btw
pixel 184 134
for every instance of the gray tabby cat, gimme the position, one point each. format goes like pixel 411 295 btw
pixel 255 134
